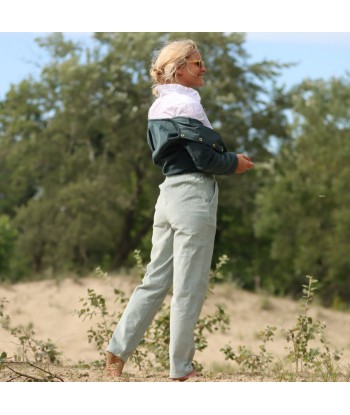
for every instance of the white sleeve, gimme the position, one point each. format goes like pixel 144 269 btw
pixel 175 106
pixel 193 110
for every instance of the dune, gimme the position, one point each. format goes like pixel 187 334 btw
pixel 50 305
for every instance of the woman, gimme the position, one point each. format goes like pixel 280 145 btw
pixel 190 153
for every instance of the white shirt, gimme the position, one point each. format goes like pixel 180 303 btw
pixel 176 100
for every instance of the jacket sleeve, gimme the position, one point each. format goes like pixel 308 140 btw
pixel 208 160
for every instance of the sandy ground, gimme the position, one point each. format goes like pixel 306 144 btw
pixel 50 306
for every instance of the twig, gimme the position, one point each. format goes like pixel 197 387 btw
pixel 50 373
pixel 23 374
pixel 10 380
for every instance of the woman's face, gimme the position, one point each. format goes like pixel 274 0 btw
pixel 191 75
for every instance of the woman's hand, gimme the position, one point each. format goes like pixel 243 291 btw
pixel 244 163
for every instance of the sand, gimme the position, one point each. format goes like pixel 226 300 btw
pixel 50 305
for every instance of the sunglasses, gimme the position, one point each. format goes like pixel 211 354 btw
pixel 199 63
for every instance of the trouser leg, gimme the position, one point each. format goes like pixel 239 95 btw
pixel 195 226
pixel 148 297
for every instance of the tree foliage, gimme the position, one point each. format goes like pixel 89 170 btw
pixel 302 212
pixel 78 187
pixel 76 176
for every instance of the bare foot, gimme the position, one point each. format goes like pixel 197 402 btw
pixel 192 374
pixel 114 365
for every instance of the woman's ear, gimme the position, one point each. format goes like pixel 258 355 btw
pixel 180 71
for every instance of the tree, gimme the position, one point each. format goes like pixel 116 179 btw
pixel 7 240
pixel 76 175
pixel 303 208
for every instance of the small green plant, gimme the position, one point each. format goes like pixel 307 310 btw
pixel 301 352
pixel 139 263
pixel 248 360
pixel 4 322
pixel 304 332
pixel 220 320
pixel 31 348
pixel 94 306
pixel 4 318
pixel 216 274
pixel 3 357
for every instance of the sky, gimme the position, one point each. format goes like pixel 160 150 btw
pixel 313 34
pixel 316 54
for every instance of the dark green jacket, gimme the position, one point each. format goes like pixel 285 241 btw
pixel 184 145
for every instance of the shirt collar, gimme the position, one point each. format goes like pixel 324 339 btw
pixel 166 89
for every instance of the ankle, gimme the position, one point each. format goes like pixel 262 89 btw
pixel 114 365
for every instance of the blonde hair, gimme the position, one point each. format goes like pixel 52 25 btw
pixel 168 59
